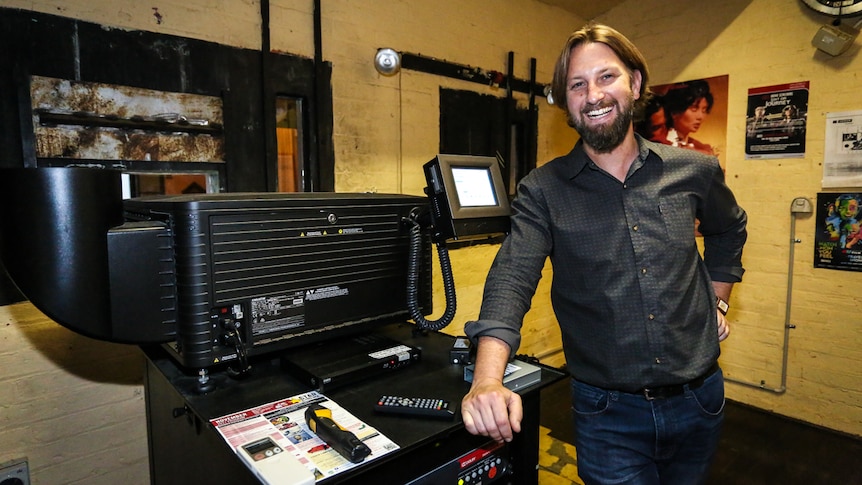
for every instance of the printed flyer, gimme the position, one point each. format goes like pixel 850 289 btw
pixel 283 421
pixel 842 154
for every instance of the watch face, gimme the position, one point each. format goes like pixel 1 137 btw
pixel 835 7
pixel 722 305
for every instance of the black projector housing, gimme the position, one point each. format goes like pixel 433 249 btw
pixel 197 272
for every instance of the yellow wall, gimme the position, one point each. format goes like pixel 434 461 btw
pixel 386 127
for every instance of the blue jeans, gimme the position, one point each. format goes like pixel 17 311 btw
pixel 623 438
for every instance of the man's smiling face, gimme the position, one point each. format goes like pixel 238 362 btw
pixel 600 95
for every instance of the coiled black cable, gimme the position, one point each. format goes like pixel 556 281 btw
pixel 413 282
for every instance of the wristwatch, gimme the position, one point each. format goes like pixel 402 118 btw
pixel 722 305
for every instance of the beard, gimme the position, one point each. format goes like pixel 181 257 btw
pixel 604 138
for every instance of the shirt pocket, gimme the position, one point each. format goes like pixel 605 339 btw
pixel 677 212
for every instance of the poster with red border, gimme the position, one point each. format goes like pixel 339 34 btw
pixel 776 121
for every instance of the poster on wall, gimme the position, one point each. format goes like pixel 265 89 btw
pixel 775 122
pixel 842 155
pixel 689 114
pixel 838 236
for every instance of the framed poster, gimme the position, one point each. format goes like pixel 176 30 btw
pixel 838 231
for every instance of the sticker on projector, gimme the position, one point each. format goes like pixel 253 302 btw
pixel 277 313
pixel 325 292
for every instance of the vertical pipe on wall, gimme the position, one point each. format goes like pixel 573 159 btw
pixel 530 135
pixel 510 75
pixel 800 205
pixel 267 100
pixel 311 181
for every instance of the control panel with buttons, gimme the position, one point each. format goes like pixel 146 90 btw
pixel 485 465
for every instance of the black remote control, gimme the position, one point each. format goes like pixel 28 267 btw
pixel 416 406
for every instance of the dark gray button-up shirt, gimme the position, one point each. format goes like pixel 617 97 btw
pixel 630 290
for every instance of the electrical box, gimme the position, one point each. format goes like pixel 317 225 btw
pixel 15 472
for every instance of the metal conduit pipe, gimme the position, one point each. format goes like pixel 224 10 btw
pixel 800 205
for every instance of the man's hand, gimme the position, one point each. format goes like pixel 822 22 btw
pixel 492 410
pixel 723 326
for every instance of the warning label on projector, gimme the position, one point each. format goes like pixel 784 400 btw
pixel 277 313
pixel 326 292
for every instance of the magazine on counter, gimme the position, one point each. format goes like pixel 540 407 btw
pixel 283 421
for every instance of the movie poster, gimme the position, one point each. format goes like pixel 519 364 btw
pixel 690 114
pixel 776 121
pixel 838 236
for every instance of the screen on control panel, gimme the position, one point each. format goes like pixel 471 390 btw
pixel 468 197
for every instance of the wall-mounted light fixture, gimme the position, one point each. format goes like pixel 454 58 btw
pixel 387 61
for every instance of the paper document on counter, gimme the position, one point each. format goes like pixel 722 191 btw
pixel 283 421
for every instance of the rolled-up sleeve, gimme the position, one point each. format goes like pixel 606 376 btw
pixel 723 226
pixel 492 328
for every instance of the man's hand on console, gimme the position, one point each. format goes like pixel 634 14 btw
pixel 492 410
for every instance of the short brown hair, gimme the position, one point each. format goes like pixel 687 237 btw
pixel 628 53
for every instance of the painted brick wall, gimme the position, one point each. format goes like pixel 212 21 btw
pixel 230 22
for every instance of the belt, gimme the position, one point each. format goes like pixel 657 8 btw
pixel 664 392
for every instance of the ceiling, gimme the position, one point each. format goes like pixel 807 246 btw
pixel 588 9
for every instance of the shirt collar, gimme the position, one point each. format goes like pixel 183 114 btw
pixel 579 160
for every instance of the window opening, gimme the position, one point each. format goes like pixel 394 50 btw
pixel 289 147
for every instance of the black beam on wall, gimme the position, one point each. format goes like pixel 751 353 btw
pixel 430 65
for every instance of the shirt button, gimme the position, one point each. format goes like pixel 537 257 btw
pixel 657 360
pixel 643 270
pixel 635 228
pixel 651 316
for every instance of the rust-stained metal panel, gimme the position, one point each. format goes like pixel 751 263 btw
pixel 82 120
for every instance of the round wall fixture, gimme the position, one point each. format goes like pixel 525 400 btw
pixel 835 7
pixel 387 61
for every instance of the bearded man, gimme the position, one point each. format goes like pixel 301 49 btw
pixel 640 311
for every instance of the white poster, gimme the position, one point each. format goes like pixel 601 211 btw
pixel 842 155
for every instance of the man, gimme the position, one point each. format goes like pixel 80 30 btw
pixel 756 123
pixel 637 306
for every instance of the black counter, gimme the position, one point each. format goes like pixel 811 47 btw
pixel 185 448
